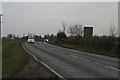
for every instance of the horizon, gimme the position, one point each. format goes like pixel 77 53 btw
pixel 47 17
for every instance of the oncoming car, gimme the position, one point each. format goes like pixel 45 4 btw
pixel 31 40
pixel 46 40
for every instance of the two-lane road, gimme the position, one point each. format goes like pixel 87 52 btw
pixel 74 64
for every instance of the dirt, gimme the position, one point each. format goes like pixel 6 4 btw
pixel 34 69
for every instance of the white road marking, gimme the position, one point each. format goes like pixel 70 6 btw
pixel 74 56
pixel 113 68
pixel 85 59
pixel 90 60
pixel 80 58
pixel 44 64
pixel 95 62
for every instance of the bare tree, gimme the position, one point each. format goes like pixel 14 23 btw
pixel 64 26
pixel 61 36
pixel 9 36
pixel 112 30
pixel 75 30
pixel 105 32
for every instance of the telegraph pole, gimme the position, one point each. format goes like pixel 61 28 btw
pixel 0 48
pixel 0 24
pixel 1 19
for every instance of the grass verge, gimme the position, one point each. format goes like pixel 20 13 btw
pixel 0 59
pixel 13 58
pixel 86 50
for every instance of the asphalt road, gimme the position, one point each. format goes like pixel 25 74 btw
pixel 74 64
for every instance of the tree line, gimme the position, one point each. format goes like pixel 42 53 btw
pixel 108 42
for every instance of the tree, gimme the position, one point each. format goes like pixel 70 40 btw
pixel 105 32
pixel 46 36
pixel 64 27
pixel 9 36
pixel 52 37
pixel 40 36
pixel 61 36
pixel 75 30
pixel 3 38
pixel 112 30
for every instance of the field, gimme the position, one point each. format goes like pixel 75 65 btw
pixel 16 63
pixel 13 58
pixel 101 48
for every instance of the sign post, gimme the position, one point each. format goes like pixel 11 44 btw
pixel 0 47
pixel 88 33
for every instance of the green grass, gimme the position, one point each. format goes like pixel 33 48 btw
pixel 87 50
pixel 13 58
pixel 0 59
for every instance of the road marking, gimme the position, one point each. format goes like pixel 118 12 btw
pixel 95 62
pixel 85 59
pixel 74 56
pixel 90 60
pixel 113 68
pixel 44 64
pixel 80 58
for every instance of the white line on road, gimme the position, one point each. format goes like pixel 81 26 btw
pixel 44 64
pixel 92 61
pixel 74 56
pixel 85 59
pixel 95 62
pixel 113 68
pixel 80 58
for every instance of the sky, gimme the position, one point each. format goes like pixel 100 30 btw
pixel 47 17
pixel 60 0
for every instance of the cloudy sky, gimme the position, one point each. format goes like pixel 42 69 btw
pixel 47 17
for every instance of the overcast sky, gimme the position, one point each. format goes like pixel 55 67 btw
pixel 47 17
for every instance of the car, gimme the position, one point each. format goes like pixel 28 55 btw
pixel 46 40
pixel 31 40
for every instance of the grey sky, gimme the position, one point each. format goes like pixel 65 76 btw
pixel 0 7
pixel 47 17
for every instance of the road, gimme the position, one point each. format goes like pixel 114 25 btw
pixel 74 64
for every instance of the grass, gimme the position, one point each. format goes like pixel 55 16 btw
pixel 0 59
pixel 13 58
pixel 75 47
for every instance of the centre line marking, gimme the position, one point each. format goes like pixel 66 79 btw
pixel 74 56
pixel 84 59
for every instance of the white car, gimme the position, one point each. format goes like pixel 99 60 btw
pixel 46 40
pixel 31 40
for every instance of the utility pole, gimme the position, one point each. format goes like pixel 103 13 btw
pixel 0 24
pixel 1 19
pixel 0 49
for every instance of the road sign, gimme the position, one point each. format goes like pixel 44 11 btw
pixel 88 31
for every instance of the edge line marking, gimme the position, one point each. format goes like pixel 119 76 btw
pixel 44 64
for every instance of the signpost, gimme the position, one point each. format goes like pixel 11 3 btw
pixel 0 48
pixel 0 24
pixel 88 33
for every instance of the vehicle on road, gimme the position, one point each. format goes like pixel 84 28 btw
pixel 46 40
pixel 31 40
